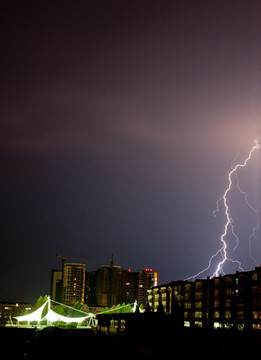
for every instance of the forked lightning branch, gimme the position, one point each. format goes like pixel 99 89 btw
pixel 222 252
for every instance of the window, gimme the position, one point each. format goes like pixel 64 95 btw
pixel 228 314
pixel 187 287
pixel 256 315
pixel 198 304
pixel 216 303
pixel 199 285
pixel 187 305
pixel 240 314
pixel 198 314
pixel 228 280
pixel 198 295
pixel 227 303
pixel 229 291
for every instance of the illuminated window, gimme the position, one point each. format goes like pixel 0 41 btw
pixel 199 285
pixel 198 304
pixel 198 314
pixel 198 295
pixel 228 303
pixel 240 314
pixel 198 323
pixel 187 287
pixel 227 314
pixel 256 315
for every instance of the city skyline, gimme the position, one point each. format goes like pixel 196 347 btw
pixel 107 286
pixel 119 125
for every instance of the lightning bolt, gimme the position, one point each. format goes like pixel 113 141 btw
pixel 229 221
pixel 256 227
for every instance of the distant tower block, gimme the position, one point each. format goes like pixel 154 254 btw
pixel 73 283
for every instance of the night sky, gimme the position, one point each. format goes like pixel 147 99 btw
pixel 119 122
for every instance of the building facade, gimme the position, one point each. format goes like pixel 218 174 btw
pixel 146 279
pixel 130 285
pixel 108 285
pixel 9 310
pixel 73 283
pixel 111 285
pixel 56 287
pixel 232 300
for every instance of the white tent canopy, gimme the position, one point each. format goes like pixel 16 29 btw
pixel 34 316
pixel 51 316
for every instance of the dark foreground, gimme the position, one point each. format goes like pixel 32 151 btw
pixel 54 343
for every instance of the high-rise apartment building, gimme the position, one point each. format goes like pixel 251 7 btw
pixel 130 285
pixel 73 283
pixel 146 279
pixel 108 285
pixel 111 285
